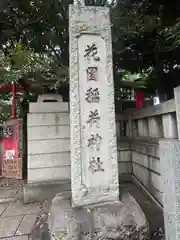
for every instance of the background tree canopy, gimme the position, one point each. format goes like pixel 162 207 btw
pixel 145 34
pixel 148 41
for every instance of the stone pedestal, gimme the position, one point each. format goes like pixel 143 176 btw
pixel 119 220
pixel 94 167
pixel 48 129
pixel 170 171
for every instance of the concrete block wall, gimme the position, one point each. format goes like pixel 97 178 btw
pixel 48 142
pixel 139 161
pixel 144 129
pixel 123 154
pixel 145 147
pixel 146 167
pixel 124 161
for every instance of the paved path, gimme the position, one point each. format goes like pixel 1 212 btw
pixel 17 220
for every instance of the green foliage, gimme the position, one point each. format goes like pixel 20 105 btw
pixel 147 41
pixel 24 62
pixel 172 33
pixel 145 34
pixel 35 40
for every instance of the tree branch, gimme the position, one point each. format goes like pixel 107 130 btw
pixel 27 23
pixel 57 55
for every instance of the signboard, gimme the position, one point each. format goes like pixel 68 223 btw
pixel 12 149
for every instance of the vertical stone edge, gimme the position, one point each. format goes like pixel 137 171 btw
pixel 74 106
pixel 170 174
pixel 111 109
pixel 177 104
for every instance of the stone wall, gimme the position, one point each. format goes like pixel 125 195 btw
pixel 48 142
pixel 139 144
pixel 124 161
pixel 146 167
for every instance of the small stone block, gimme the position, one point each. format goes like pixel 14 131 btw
pixel 24 237
pixel 9 225
pixel 17 208
pixel 44 107
pixel 3 206
pixel 7 193
pixel 27 225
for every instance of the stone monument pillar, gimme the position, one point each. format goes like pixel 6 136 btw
pixel 94 167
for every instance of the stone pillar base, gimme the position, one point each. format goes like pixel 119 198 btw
pixel 113 220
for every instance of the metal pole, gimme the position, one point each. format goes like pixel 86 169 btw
pixel 13 100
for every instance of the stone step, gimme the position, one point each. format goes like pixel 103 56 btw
pixel 45 190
